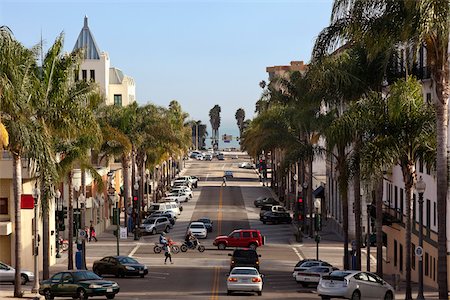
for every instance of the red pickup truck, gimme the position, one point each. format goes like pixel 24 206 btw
pixel 245 238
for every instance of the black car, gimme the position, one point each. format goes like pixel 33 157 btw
pixel 119 266
pixel 161 214
pixel 243 257
pixel 261 201
pixel 78 285
pixel 208 223
pixel 275 217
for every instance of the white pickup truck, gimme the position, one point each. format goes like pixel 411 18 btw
pixel 178 196
pixel 274 208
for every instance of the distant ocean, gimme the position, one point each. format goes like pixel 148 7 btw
pixel 234 132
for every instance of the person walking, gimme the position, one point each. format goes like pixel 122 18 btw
pixel 92 235
pixel 167 254
pixel 224 182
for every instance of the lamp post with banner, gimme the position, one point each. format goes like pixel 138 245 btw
pixel 136 210
pixel 317 206
pixel 420 187
pixel 59 220
pixel 36 196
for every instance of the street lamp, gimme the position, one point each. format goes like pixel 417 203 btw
pixel 147 180
pixel 58 221
pixel 36 195
pixel 420 188
pixel 136 209
pixel 82 200
pixel 317 205
pixel 306 199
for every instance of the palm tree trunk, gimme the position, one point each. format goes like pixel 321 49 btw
pixel 443 92
pixel 379 224
pixel 358 225
pixel 408 178
pixel 17 187
pixel 309 195
pixel 70 212
pixel 126 187
pixel 83 215
pixel 45 232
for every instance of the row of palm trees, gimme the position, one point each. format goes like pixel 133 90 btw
pixel 369 121
pixel 57 124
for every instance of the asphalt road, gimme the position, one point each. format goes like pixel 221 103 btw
pixel 196 275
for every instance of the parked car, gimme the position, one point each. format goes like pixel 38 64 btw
pixel 354 285
pixel 180 196
pixel 246 238
pixel 8 273
pixel 228 174
pixel 199 157
pixel 208 156
pixel 306 264
pixel 313 275
pixel 245 279
pixel 269 207
pixel 276 217
pixel 78 285
pixel 155 225
pixel 208 223
pixel 246 165
pixel 119 266
pixel 244 257
pixel 194 154
pixel 173 204
pixel 183 189
pixel 198 229
pixel 263 200
pixel 192 180
pixel 170 215
pixel 220 156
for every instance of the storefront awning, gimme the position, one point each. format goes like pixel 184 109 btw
pixel 319 192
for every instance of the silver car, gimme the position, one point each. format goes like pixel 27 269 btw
pixel 155 225
pixel 7 274
pixel 354 285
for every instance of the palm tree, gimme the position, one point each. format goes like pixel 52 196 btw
pixel 382 26
pixel 240 117
pixel 214 118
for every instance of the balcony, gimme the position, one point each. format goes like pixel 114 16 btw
pixel 390 215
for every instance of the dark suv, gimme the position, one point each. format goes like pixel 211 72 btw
pixel 244 257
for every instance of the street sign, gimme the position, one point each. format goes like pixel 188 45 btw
pixel 418 251
pixel 123 233
pixel 82 234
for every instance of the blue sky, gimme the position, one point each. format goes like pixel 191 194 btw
pixel 200 53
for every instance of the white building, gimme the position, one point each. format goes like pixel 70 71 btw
pixel 119 89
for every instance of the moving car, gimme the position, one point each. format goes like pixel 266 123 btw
pixel 228 174
pixel 208 156
pixel 244 279
pixel 199 157
pixel 246 165
pixel 7 274
pixel 244 257
pixel 78 285
pixel 246 238
pixel 308 263
pixel 155 225
pixel 198 229
pixel 170 215
pixel 208 223
pixel 269 207
pixel 220 156
pixel 119 266
pixel 263 200
pixel 312 275
pixel 354 285
pixel 276 217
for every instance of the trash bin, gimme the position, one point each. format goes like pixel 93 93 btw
pixel 79 260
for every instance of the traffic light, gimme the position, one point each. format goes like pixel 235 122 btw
pixel 300 209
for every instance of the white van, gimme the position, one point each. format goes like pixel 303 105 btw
pixel 173 206
pixel 163 206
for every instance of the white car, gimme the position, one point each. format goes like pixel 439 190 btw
pixel 180 196
pixel 183 189
pixel 173 205
pixel 306 264
pixel 246 165
pixel 199 157
pixel 244 279
pixel 198 229
pixel 354 285
pixel 7 274
pixel 193 180
pixel 312 275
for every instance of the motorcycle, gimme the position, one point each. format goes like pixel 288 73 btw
pixel 63 244
pixel 173 247
pixel 195 244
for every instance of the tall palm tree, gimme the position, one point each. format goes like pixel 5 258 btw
pixel 240 118
pixel 214 119
pixel 382 26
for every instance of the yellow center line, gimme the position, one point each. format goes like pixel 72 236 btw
pixel 215 287
pixel 219 213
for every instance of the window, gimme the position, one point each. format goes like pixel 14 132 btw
pixel 84 75
pixel 361 276
pixel 395 253
pixel 117 100
pixel 428 216
pixel 401 205
pixel 401 258
pixel 235 235
pixel 434 268
pixel 254 234
pixel 3 206
pixel 414 211
pixel 57 278
pixel 395 195
pixel 92 75
pixel 246 234
pixel 77 75
pixel 413 256
pixel 421 165
pixel 434 213
pixel 426 264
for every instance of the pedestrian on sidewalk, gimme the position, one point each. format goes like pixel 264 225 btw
pixel 92 235
pixel 224 182
pixel 167 254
